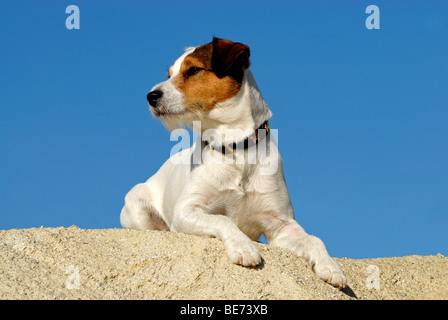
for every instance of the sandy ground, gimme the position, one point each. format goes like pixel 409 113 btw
pixel 73 263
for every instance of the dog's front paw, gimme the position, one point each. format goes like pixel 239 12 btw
pixel 329 271
pixel 242 251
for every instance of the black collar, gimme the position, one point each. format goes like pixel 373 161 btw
pixel 246 143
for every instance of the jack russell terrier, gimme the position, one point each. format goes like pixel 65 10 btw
pixel 235 201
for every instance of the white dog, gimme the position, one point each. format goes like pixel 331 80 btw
pixel 224 186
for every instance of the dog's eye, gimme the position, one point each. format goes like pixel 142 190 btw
pixel 192 71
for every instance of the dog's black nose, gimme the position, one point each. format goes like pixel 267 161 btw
pixel 153 96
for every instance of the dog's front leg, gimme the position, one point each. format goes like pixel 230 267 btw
pixel 292 236
pixel 193 216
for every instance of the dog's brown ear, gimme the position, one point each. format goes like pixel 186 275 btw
pixel 230 58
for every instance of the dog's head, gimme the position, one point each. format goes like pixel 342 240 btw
pixel 201 79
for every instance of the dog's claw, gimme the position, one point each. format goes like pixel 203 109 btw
pixel 331 273
pixel 243 252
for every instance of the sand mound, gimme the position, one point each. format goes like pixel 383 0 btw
pixel 73 263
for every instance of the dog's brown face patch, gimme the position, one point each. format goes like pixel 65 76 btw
pixel 203 87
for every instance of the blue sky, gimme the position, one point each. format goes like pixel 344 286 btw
pixel 362 115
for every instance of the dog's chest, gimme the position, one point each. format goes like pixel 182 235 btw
pixel 239 188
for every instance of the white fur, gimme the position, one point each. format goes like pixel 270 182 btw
pixel 230 201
